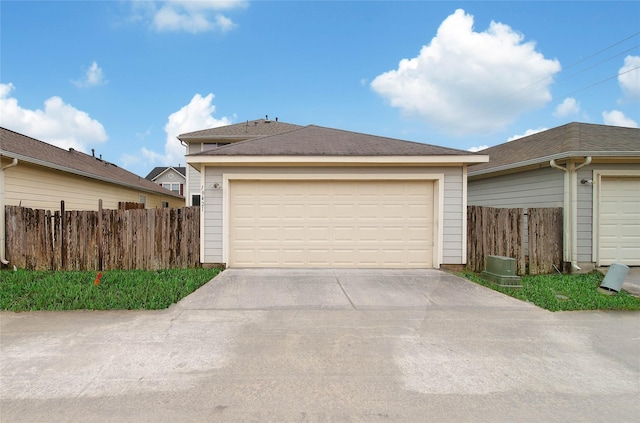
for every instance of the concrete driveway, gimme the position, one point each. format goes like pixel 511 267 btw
pixel 323 345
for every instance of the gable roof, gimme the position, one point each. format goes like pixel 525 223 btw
pixel 248 129
pixel 157 171
pixel 31 150
pixel 315 140
pixel 571 140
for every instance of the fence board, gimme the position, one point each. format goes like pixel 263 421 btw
pixel 101 240
pixel 545 240
pixel 494 231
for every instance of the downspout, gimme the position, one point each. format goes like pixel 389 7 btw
pixel 3 247
pixel 571 206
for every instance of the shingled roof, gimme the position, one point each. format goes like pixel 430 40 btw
pixel 31 150
pixel 157 171
pixel 571 140
pixel 315 140
pixel 248 129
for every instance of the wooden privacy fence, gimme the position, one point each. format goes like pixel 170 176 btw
pixel 501 231
pixel 147 239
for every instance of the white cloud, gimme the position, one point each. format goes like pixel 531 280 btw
pixel 59 123
pixel 527 133
pixel 466 82
pixel 569 107
pixel 479 148
pixel 188 15
pixel 194 116
pixel 617 118
pixel 92 77
pixel 629 78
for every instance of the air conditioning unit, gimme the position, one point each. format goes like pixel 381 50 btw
pixel 502 271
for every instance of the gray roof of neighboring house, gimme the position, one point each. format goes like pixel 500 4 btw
pixel 157 171
pixel 314 140
pixel 570 140
pixel 31 150
pixel 246 129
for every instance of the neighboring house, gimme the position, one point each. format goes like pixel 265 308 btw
pixel 592 171
pixel 171 178
pixel 200 141
pixel 322 197
pixel 39 175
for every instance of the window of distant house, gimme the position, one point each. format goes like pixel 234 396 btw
pixel 195 200
pixel 173 187
pixel 212 145
pixel 165 204
pixel 142 199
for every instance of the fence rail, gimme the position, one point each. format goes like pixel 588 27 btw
pixel 501 231
pixel 147 239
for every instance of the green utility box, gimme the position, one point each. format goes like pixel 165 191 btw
pixel 502 271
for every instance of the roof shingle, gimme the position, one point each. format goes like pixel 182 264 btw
pixel 247 129
pixel 572 139
pixel 314 140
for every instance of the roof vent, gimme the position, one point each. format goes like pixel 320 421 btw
pixel 266 119
pixel 71 149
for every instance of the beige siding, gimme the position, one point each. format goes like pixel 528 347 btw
pixel 42 188
pixel 452 234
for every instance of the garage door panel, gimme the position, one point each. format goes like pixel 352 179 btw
pixel 331 223
pixel 619 221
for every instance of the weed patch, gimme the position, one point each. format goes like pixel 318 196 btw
pixel 25 290
pixel 558 292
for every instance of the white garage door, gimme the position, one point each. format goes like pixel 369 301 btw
pixel 619 221
pixel 331 224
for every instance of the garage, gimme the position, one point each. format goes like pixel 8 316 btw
pixel 619 220
pixel 331 223
pixel 317 197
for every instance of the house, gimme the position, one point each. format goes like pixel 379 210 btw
pixel 322 197
pixel 172 178
pixel 591 171
pixel 207 139
pixel 39 175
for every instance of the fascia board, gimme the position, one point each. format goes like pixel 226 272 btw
pixel 195 160
pixel 547 159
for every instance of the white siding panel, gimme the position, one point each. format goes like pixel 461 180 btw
pixel 193 176
pixel 211 208
pixel 585 216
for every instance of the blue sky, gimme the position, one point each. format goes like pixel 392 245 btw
pixel 126 77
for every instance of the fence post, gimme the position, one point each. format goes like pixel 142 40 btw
pixel 99 234
pixel 63 237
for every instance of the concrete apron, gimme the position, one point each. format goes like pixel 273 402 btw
pixel 323 345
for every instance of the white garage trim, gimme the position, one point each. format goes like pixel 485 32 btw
pixel 597 203
pixel 438 193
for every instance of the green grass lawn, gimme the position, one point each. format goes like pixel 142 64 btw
pixel 558 292
pixel 25 290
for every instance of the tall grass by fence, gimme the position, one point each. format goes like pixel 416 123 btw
pixel 148 239
pixel 501 231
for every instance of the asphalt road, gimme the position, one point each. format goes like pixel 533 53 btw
pixel 323 346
